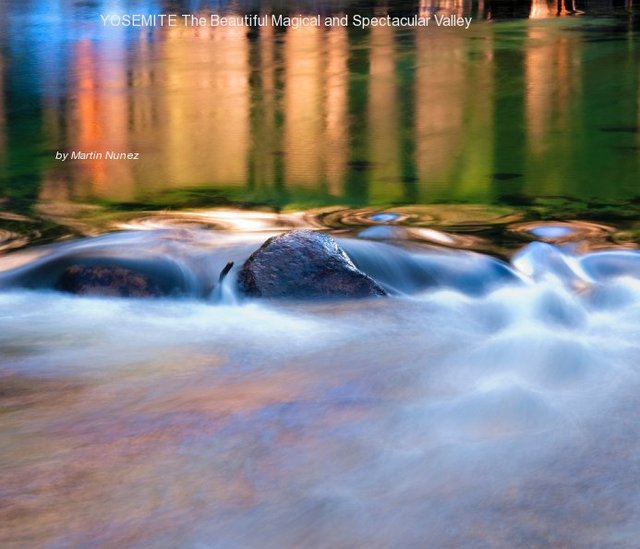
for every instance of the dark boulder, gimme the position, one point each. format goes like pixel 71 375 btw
pixel 107 280
pixel 304 264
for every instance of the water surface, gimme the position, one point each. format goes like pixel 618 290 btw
pixel 488 179
pixel 513 110
pixel 484 402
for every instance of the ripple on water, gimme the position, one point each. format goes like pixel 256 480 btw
pixel 230 220
pixel 465 217
pixel 10 240
pixel 559 232
pixel 348 218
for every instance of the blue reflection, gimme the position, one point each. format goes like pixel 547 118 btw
pixel 384 217
pixel 552 231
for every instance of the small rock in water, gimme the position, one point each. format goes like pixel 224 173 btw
pixel 304 264
pixel 107 280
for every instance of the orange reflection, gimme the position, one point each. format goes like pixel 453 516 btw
pixel 187 117
pixel 551 85
pixel 552 74
pixel 541 9
pixel 89 132
pixel 446 7
pixel 102 117
pixel 566 7
pixel 96 124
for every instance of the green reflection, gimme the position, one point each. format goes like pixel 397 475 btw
pixel 507 112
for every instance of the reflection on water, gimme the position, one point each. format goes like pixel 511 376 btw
pixel 206 137
pixel 303 80
pixel 265 131
pixel 459 163
pixel 3 128
pixel 383 119
pixel 520 107
pixel 553 93
pixel 337 81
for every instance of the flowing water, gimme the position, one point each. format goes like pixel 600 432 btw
pixel 485 403
pixel 487 179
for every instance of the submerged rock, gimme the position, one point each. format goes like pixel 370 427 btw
pixel 304 264
pixel 107 280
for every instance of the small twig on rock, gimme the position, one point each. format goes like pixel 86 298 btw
pixel 225 271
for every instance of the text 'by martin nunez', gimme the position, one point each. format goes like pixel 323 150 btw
pixel 296 21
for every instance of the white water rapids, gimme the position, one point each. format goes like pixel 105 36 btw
pixel 484 404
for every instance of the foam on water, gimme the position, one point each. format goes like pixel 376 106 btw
pixel 470 407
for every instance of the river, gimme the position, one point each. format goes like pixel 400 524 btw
pixel 486 178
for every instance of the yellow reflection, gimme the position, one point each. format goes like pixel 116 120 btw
pixel 439 94
pixel 207 105
pixel 264 127
pixel 454 112
pixel 147 119
pixel 336 101
pixel 382 115
pixel 303 105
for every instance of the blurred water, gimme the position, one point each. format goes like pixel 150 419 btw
pixel 448 415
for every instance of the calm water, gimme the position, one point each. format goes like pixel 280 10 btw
pixel 511 110
pixel 487 178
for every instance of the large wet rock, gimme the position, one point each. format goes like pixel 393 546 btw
pixel 304 264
